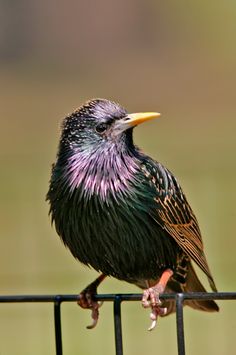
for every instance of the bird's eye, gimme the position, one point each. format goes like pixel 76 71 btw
pixel 101 128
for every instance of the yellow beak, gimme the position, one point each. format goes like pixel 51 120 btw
pixel 134 119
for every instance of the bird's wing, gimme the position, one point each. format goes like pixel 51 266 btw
pixel 177 218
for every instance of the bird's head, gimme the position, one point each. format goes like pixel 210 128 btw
pixel 100 123
pixel 96 151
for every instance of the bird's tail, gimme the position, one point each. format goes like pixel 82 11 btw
pixel 193 284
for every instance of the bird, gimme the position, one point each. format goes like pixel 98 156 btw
pixel 123 213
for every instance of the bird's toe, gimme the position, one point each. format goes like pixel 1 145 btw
pixel 156 311
pixel 151 296
pixel 86 301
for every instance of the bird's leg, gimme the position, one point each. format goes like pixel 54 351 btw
pixel 86 300
pixel 151 297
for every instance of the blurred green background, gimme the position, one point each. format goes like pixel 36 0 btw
pixel 175 57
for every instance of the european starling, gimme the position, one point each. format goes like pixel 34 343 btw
pixel 123 213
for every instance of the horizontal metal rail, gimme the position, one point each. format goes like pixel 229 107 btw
pixel 117 299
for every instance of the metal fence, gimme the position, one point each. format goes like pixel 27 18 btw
pixel 117 299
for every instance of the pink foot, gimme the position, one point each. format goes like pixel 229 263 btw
pixel 151 298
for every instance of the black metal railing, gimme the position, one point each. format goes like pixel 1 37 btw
pixel 117 299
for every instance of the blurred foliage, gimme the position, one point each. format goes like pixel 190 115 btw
pixel 174 57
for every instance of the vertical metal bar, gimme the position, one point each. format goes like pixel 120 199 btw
pixel 180 323
pixel 117 325
pixel 57 325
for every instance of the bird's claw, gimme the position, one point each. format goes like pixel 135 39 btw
pixel 151 298
pixel 95 314
pixel 86 301
pixel 156 311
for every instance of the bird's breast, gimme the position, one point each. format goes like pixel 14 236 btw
pixel 117 236
pixel 100 172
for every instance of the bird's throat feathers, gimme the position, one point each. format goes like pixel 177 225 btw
pixel 104 172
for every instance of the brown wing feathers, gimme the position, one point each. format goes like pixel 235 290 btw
pixel 178 219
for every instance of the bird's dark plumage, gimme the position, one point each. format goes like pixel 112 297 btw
pixel 120 211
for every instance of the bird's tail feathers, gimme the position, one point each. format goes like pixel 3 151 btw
pixel 192 284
